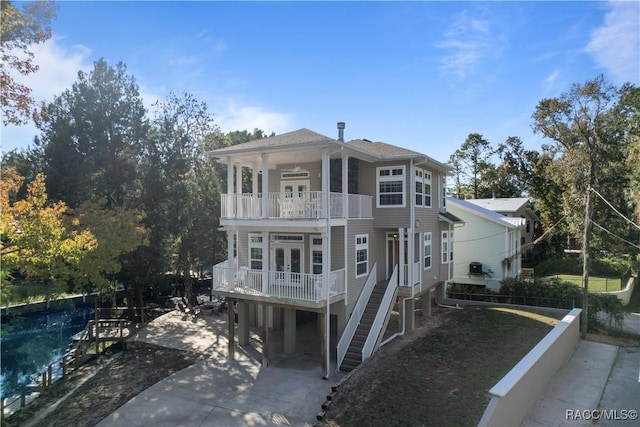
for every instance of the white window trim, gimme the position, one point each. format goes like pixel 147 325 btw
pixel 313 247
pixel 380 179
pixel 358 247
pixel 424 246
pixel 423 176
pixel 443 189
pixel 444 247
pixel 294 175
pixel 256 245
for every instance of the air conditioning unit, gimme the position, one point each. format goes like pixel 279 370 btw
pixel 475 268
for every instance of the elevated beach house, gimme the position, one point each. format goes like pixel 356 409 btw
pixel 330 232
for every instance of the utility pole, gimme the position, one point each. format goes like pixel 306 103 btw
pixel 586 253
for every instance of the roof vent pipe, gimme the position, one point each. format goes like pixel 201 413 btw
pixel 341 131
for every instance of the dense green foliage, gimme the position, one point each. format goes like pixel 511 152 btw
pixel 555 289
pixel 608 266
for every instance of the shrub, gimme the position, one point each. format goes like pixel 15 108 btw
pixel 550 290
pixel 608 266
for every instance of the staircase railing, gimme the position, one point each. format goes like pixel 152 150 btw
pixel 75 354
pixel 383 310
pixel 356 315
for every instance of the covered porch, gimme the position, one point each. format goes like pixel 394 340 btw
pixel 277 286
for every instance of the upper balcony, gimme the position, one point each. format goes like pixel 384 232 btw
pixel 307 205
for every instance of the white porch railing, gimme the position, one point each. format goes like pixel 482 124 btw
pixel 276 284
pixel 307 205
pixel 378 322
pixel 356 315
pixel 416 274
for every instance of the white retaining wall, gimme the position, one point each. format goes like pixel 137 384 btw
pixel 624 295
pixel 514 395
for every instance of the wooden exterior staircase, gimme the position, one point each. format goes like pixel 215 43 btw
pixel 353 356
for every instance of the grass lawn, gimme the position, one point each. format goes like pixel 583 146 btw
pixel 596 283
pixel 439 376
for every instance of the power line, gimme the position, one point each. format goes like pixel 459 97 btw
pixel 616 211
pixel 614 235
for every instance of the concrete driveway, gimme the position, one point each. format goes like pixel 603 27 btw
pixel 599 385
pixel 222 392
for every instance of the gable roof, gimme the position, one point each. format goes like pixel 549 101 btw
pixel 382 149
pixel 296 137
pixel 372 151
pixel 466 205
pixel 502 204
pixel 507 205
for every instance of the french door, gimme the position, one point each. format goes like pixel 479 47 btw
pixel 287 258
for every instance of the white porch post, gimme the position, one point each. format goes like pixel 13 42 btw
pixel 230 258
pixel 345 184
pixel 254 191
pixel 238 178
pixel 265 185
pixel 265 262
pixel 231 204
pixel 230 167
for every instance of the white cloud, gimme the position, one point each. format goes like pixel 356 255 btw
pixel 615 45
pixel 234 117
pixel 469 40
pixel 59 66
pixel 549 84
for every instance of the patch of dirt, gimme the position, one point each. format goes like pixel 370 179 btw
pixel 440 374
pixel 114 384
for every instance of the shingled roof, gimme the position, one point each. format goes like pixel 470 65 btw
pixel 300 136
pixel 381 149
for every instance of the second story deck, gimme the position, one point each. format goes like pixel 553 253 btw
pixel 307 205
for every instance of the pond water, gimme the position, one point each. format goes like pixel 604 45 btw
pixel 30 343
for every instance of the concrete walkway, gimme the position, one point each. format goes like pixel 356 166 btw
pixel 596 377
pixel 222 392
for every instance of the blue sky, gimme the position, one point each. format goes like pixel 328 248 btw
pixel 421 75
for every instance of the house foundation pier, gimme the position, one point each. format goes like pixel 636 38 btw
pixel 232 329
pixel 289 330
pixel 265 335
pixel 243 323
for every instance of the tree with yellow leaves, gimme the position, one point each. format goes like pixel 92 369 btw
pixel 39 238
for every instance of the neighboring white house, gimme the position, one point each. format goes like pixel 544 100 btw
pixel 487 246
pixel 515 207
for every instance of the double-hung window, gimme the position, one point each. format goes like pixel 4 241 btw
pixel 391 186
pixel 445 247
pixel 423 187
pixel 362 254
pixel 426 252
pixel 316 255
pixel 443 191
pixel 255 251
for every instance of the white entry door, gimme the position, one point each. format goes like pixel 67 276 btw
pixel 294 188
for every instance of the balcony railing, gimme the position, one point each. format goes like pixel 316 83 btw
pixel 276 284
pixel 307 205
